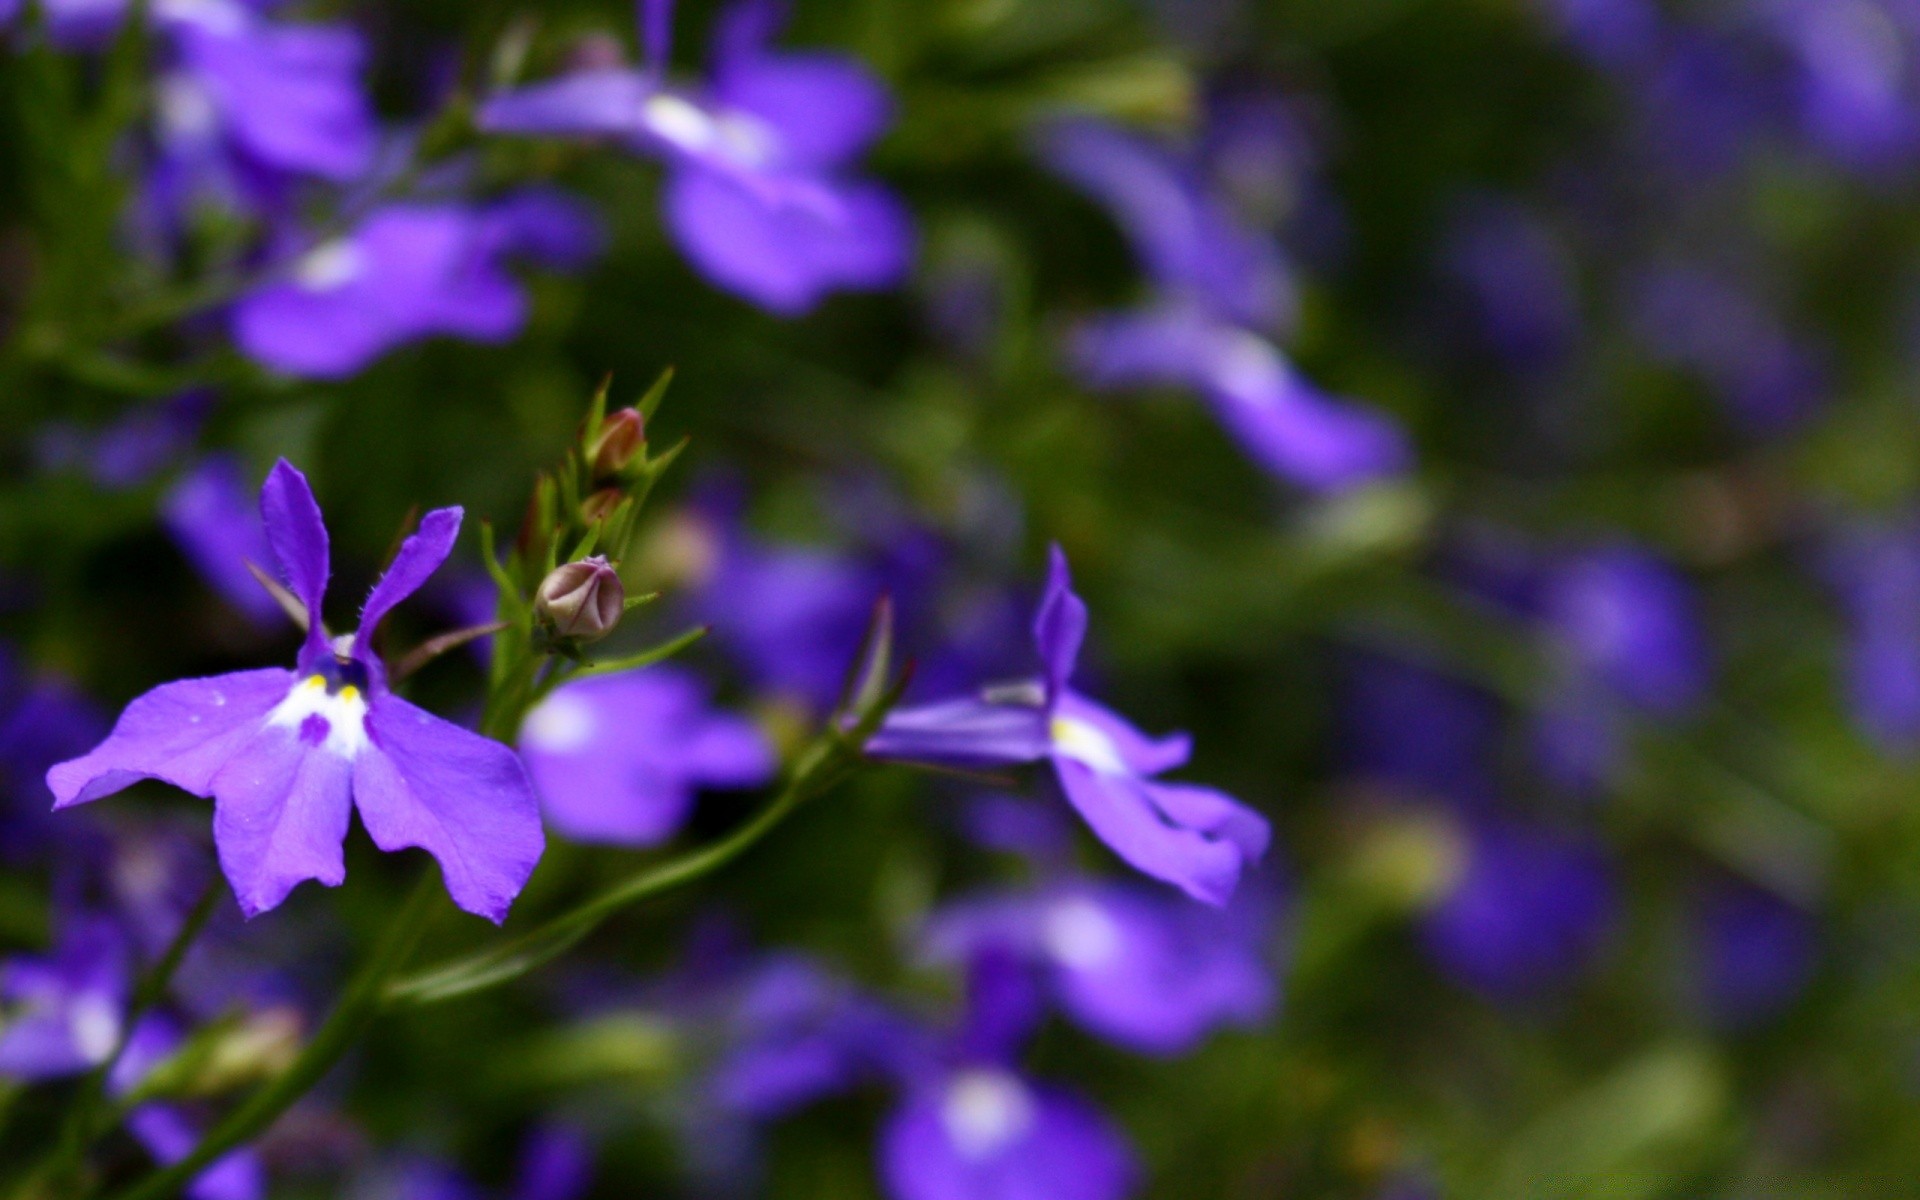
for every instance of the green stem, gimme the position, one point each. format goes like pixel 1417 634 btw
pixel 357 1007
pixel 503 964
pixel 81 1125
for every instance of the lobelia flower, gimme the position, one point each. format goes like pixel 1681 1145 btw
pixel 1529 910
pixel 68 1014
pixel 1876 572
pixel 406 272
pixel 1628 631
pixel 758 192
pixel 1141 967
pixel 617 759
pixel 1193 837
pixel 1755 953
pixel 286 755
pixel 1220 288
pixel 971 1126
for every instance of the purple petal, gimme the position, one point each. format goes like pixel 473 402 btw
pixel 298 536
pixel 1060 626
pixel 280 813
pixel 547 226
pixel 987 1134
pixel 618 759
pixel 590 102
pixel 463 798
pixel 169 1137
pixel 211 515
pixel 825 108
pixel 1294 429
pixel 1146 824
pixel 656 33
pixel 419 557
pixel 290 96
pixel 963 733
pixel 181 733
pixel 1140 754
pixel 785 242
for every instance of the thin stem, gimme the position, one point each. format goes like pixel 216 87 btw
pixel 503 964
pixel 81 1125
pixel 357 1007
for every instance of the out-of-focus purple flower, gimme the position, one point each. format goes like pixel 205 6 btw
pixel 42 721
pixel 1766 375
pixel 210 514
pixel 1193 837
pixel 132 450
pixel 1140 967
pixel 406 272
pixel 1415 729
pixel 286 755
pixel 286 97
pixel 1876 572
pixel 971 1125
pixel 1517 281
pixel 1530 909
pixel 1854 62
pixel 1219 289
pixel 794 1033
pixel 758 192
pixel 69 1017
pixel 556 1163
pixel 68 1008
pixel 618 759
pixel 1755 952
pixel 1633 623
pixel 1613 33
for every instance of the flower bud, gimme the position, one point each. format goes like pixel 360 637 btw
pixel 581 600
pixel 621 438
pixel 601 505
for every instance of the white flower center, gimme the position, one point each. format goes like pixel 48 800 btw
pixel 985 1111
pixel 741 139
pixel 187 113
pixel 562 724
pixel 329 266
pixel 1088 744
pixel 94 1022
pixel 1078 933
pixel 344 713
pixel 1247 367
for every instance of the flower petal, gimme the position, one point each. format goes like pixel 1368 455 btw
pixel 1123 813
pixel 419 557
pixel 463 798
pixel 181 733
pixel 590 102
pixel 963 733
pixel 298 536
pixel 280 816
pixel 1061 624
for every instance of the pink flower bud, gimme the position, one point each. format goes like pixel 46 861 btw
pixel 621 438
pixel 582 600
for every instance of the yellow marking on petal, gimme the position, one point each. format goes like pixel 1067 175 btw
pixel 316 681
pixel 349 693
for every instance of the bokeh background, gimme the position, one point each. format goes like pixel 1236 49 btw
pixel 1587 730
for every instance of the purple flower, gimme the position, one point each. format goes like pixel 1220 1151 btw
pixel 985 1132
pixel 757 192
pixel 1140 967
pixel 286 755
pixel 1632 623
pixel 1193 837
pixel 406 272
pixel 1766 374
pixel 213 520
pixel 1420 731
pixel 1755 953
pixel 1516 280
pixel 69 1013
pixel 971 1126
pixel 286 97
pixel 1530 909
pixel 1876 571
pixel 1219 289
pixel 618 759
